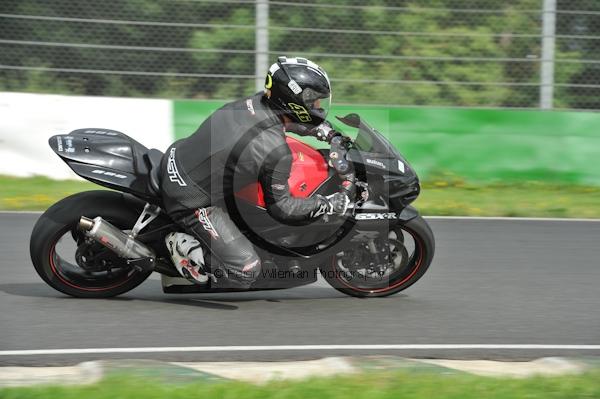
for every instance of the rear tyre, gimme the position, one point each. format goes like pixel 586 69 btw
pixel 408 253
pixel 88 276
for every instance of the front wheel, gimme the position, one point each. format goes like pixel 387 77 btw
pixel 68 262
pixel 383 266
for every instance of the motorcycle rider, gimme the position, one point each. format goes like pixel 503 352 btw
pixel 241 143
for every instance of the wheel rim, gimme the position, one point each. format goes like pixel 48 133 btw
pixel 409 264
pixel 79 275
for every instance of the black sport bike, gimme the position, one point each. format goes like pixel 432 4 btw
pixel 103 243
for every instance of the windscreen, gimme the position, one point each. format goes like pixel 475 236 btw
pixel 370 140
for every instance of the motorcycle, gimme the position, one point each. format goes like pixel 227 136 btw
pixel 103 243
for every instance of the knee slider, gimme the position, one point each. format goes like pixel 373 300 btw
pixel 251 270
pixel 245 274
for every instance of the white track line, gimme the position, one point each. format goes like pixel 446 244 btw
pixel 510 219
pixel 294 348
pixel 21 212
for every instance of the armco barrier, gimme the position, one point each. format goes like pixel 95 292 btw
pixel 563 147
pixel 480 145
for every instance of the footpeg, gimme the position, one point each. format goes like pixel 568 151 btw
pixel 142 264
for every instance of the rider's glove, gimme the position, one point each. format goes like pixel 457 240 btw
pixel 338 203
pixel 325 132
pixel 334 204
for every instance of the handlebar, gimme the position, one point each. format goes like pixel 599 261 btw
pixel 339 146
pixel 337 156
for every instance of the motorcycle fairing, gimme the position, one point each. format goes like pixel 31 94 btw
pixel 381 165
pixel 111 159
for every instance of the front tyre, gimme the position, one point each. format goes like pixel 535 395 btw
pixel 70 264
pixel 385 265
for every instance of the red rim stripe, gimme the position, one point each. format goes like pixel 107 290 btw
pixel 418 265
pixel 92 289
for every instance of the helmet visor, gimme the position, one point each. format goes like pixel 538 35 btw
pixel 318 103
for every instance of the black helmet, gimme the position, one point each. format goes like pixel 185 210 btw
pixel 301 89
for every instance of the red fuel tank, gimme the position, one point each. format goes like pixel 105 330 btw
pixel 309 171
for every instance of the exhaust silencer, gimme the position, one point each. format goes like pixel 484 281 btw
pixel 114 239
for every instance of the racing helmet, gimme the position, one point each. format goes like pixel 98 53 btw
pixel 300 88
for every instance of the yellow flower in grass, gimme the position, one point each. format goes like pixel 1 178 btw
pixel 41 198
pixel 12 200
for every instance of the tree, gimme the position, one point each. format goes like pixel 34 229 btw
pixel 426 52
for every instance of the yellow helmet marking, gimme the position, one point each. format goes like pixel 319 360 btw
pixel 302 113
pixel 269 82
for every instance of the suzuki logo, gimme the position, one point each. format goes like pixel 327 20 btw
pixel 376 163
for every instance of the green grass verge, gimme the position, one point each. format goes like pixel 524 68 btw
pixel 447 196
pixel 374 385
pixel 37 193
pixel 533 199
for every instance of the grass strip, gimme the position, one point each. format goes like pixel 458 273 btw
pixel 444 197
pixel 37 193
pixel 531 199
pixel 372 385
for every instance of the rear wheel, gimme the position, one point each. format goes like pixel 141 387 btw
pixel 69 262
pixel 384 265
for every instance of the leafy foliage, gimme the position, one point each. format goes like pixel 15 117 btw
pixel 432 52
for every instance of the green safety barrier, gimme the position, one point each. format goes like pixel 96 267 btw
pixel 475 144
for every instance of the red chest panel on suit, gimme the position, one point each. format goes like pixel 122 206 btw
pixel 309 171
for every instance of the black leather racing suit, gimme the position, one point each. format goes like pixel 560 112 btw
pixel 241 143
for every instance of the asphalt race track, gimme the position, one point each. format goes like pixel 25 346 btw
pixel 493 282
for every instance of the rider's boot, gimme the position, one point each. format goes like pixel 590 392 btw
pixel 187 256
